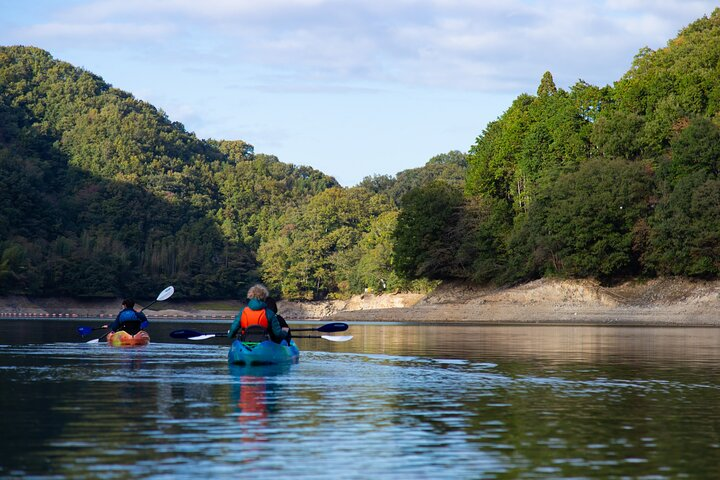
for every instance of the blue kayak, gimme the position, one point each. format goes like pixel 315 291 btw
pixel 263 353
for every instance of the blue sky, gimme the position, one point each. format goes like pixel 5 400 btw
pixel 352 88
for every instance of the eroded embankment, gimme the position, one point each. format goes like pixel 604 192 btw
pixel 653 302
pixel 550 301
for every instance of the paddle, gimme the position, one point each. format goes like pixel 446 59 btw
pixel 327 328
pixel 164 295
pixel 87 330
pixel 335 338
pixel 195 335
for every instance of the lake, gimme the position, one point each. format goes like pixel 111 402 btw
pixel 396 402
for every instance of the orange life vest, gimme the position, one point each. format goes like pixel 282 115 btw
pixel 253 317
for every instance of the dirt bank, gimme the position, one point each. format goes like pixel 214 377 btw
pixel 547 301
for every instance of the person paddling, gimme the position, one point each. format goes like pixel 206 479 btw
pixel 128 320
pixel 256 322
pixel 272 305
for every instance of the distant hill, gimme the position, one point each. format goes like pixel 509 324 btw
pixel 600 182
pixel 102 194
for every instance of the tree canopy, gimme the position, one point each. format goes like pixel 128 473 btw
pixel 102 194
pixel 560 165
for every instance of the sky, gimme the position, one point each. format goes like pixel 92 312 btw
pixel 352 88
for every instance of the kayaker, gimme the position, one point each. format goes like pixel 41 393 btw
pixel 258 317
pixel 272 305
pixel 128 319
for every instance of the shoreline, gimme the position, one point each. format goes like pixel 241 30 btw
pixel 658 302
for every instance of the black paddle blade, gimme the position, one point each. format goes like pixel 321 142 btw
pixel 333 327
pixel 185 334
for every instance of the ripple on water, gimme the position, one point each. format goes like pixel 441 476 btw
pixel 179 411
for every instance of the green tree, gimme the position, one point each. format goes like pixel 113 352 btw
pixel 306 255
pixel 662 88
pixel 697 148
pixel 536 137
pixel 685 229
pixel 425 236
pixel 584 223
pixel 547 85
pixel 369 264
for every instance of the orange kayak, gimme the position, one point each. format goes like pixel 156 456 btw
pixel 124 339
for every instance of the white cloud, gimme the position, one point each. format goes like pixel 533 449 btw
pixel 486 45
pixel 694 7
pixel 113 31
pixel 211 9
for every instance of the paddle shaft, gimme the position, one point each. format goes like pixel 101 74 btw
pixel 150 305
pixel 327 328
pixel 195 336
pixel 340 338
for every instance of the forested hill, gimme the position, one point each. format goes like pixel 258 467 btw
pixel 588 182
pixel 101 194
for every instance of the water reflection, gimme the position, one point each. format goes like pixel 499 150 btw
pixel 254 396
pixel 421 402
pixel 561 344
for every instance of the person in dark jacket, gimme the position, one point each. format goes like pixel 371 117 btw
pixel 128 319
pixel 272 305
pixel 257 317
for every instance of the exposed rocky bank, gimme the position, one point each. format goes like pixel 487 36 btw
pixel 548 301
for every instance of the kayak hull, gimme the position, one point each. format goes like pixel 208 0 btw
pixel 264 353
pixel 124 339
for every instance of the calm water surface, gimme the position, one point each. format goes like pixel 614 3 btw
pixel 398 401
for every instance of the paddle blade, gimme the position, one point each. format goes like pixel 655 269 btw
pixel 185 334
pixel 333 327
pixel 99 340
pixel 205 337
pixel 165 294
pixel 337 338
pixel 84 330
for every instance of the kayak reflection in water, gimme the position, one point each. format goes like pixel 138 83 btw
pixel 251 398
pixel 128 319
pixel 256 322
pixel 256 390
pixel 255 397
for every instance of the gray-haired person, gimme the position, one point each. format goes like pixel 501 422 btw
pixel 256 322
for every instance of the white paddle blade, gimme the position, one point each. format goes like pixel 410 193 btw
pixel 165 294
pixel 202 337
pixel 337 338
pixel 95 340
